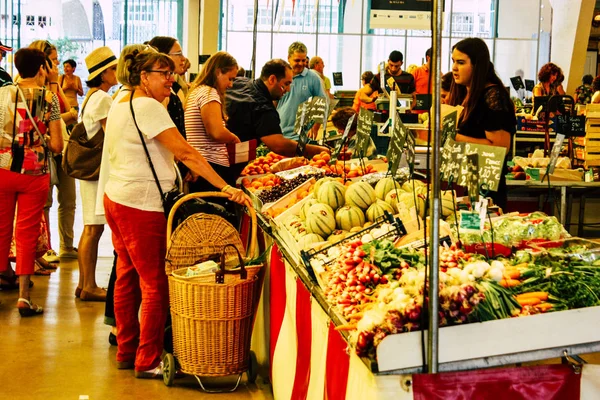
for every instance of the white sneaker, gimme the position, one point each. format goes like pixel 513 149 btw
pixel 51 256
pixel 68 253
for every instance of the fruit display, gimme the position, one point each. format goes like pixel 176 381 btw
pixel 283 187
pixel 320 219
pixel 261 183
pixel 261 165
pixel 346 169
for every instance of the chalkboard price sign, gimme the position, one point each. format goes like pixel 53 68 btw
pixel 422 102
pixel 338 79
pixel 473 177
pixel 317 109
pixel 363 132
pixel 449 126
pixel 300 118
pixel 451 159
pixel 558 142
pixel 343 140
pixel 410 149
pixel 302 133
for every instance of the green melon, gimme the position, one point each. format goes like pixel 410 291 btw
pixel 377 209
pixel 305 207
pixel 348 217
pixel 305 241
pixel 361 195
pixel 332 193
pixel 320 219
pixel 407 201
pixel 412 184
pixel 384 186
pixel 320 182
pixel 392 199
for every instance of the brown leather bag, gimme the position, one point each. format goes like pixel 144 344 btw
pixel 82 157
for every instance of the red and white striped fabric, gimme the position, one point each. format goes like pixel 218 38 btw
pixel 309 360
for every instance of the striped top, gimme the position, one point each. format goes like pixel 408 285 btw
pixel 213 151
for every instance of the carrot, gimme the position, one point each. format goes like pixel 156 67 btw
pixel 358 315
pixel 544 306
pixel 529 301
pixel 543 296
pixel 512 274
pixel 347 327
pixel 508 283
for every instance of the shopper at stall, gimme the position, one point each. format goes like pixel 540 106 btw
pixel 252 115
pixel 365 96
pixel 305 84
pixel 394 77
pixel 24 168
pixel 316 64
pixel 5 78
pixel 547 77
pixel 445 86
pixel 176 101
pixel 137 221
pixel 102 68
pixel 489 113
pixel 71 83
pixel 65 188
pixel 421 75
pixel 584 92
pixel 205 117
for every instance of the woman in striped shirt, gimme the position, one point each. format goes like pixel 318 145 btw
pixel 205 116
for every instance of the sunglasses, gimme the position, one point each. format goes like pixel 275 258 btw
pixel 166 73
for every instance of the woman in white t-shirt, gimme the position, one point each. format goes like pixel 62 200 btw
pixel 134 210
pixel 205 116
pixel 102 66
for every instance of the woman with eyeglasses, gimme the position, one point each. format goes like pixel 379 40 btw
pixel 205 117
pixel 24 171
pixel 134 209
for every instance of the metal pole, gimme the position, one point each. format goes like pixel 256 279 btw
pixel 434 232
pixel 254 36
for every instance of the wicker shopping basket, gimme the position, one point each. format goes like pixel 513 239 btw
pixel 212 322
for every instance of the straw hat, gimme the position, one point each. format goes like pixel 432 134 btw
pixel 99 60
pixel 5 48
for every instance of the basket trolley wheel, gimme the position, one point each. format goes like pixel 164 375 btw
pixel 252 368
pixel 169 369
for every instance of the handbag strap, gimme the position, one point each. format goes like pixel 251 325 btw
pixel 86 101
pixel 145 148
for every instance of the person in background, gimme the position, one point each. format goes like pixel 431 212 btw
pixel 138 223
pixel 584 92
pixel 305 84
pixel 252 115
pixel 596 90
pixel 421 75
pixel 547 78
pixel 241 73
pixel 394 76
pixel 489 114
pixel 71 83
pixel 66 193
pixel 340 119
pixel 24 174
pixel 102 67
pixel 365 96
pixel 316 64
pixel 445 86
pixel 205 117
pixel 176 101
pixel 5 78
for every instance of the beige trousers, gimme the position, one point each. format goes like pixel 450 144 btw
pixel 66 196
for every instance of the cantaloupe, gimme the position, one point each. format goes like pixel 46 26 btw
pixel 307 240
pixel 320 219
pixel 361 195
pixel 348 217
pixel 332 193
pixel 305 207
pixel 407 201
pixel 392 199
pixel 384 186
pixel 448 203
pixel 377 209
pixel 412 184
pixel 320 182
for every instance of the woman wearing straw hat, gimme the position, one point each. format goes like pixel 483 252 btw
pixel 102 67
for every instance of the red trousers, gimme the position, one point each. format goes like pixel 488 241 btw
pixel 29 193
pixel 139 238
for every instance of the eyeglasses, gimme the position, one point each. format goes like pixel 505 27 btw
pixel 178 53
pixel 166 73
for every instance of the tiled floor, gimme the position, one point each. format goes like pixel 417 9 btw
pixel 65 353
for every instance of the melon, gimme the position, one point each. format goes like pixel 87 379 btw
pixel 321 181
pixel 356 229
pixel 384 186
pixel 392 199
pixel 348 217
pixel 377 209
pixel 361 195
pixel 407 201
pixel 412 184
pixel 307 240
pixel 332 193
pixel 448 203
pixel 337 235
pixel 305 207
pixel 320 219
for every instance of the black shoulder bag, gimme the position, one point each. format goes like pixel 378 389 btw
pixel 190 207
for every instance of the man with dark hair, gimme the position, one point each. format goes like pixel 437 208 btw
pixel 422 75
pixel 395 78
pixel 5 78
pixel 252 115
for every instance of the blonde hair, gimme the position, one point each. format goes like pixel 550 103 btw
pixel 125 62
pixel 43 45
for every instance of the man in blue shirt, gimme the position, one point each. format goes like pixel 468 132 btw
pixel 305 84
